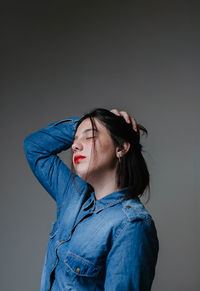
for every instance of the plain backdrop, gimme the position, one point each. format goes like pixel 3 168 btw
pixel 64 58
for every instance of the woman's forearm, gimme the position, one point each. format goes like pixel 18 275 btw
pixel 41 149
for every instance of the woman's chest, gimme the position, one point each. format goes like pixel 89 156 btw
pixel 83 251
pixel 89 238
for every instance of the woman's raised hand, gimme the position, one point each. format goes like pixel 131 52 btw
pixel 126 116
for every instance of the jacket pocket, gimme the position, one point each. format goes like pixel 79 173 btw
pixel 81 266
pixel 54 229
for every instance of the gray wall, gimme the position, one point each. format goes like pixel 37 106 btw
pixel 63 58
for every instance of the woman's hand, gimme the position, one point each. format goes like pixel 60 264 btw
pixel 126 116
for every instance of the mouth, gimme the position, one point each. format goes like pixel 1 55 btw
pixel 78 158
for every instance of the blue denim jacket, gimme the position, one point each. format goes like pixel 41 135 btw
pixel 108 244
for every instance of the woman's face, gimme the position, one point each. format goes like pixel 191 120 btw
pixel 94 153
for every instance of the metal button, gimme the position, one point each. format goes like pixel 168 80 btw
pixel 128 206
pixel 78 270
pixel 62 240
pixel 55 263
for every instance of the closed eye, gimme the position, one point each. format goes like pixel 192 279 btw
pixel 90 137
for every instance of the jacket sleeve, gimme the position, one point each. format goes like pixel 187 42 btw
pixel 41 149
pixel 132 258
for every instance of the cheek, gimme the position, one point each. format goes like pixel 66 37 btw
pixel 108 148
pixel 104 153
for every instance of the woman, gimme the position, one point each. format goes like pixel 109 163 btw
pixel 103 238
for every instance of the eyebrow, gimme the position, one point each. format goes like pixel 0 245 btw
pixel 86 130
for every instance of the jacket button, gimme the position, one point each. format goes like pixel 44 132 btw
pixel 55 263
pixel 128 206
pixel 78 270
pixel 62 240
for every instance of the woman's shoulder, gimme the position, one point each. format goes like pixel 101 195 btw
pixel 136 221
pixel 129 210
pixel 130 221
pixel 129 214
pixel 135 210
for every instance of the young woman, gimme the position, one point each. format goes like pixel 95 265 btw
pixel 103 237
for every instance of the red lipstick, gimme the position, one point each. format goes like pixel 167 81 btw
pixel 78 158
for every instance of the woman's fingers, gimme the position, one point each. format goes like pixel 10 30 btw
pixel 134 123
pixel 126 117
pixel 115 111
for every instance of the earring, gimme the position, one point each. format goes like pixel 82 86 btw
pixel 119 157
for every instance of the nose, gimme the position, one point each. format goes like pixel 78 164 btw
pixel 77 146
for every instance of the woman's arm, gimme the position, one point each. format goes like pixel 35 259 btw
pixel 132 258
pixel 41 149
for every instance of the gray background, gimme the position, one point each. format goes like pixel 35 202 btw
pixel 63 58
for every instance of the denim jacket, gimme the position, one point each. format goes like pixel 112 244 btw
pixel 108 244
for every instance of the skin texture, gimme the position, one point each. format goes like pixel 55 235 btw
pixel 98 168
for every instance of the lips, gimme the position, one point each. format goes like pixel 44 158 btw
pixel 78 158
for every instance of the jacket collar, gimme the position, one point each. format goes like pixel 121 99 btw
pixel 107 201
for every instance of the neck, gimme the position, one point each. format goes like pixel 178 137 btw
pixel 104 185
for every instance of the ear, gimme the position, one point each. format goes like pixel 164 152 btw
pixel 121 151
